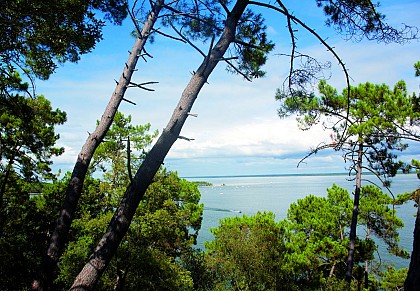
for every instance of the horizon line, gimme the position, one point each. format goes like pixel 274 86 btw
pixel 278 175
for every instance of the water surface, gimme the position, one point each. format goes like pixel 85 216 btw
pixel 231 196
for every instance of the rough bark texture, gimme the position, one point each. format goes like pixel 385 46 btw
pixel 412 281
pixel 353 226
pixel 60 234
pixel 120 223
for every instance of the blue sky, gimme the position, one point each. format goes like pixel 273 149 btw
pixel 237 130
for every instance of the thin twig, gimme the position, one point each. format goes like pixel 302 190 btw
pixel 187 40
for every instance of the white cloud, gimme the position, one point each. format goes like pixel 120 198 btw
pixel 257 137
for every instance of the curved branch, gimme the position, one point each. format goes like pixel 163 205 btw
pixel 317 36
pixel 292 37
pixel 321 146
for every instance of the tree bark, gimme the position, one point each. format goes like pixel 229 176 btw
pixel 4 181
pixel 120 223
pixel 367 262
pixel 412 282
pixel 353 226
pixel 59 237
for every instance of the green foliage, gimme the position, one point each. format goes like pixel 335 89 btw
pixel 307 250
pixel 27 136
pixel 373 115
pixel 360 18
pixel 202 183
pixel 391 279
pixel 377 212
pixel 163 230
pixel 111 156
pixel 247 253
pixel 251 45
pixel 205 20
pixel 29 214
pixel 151 256
pixel 417 69
pixel 21 238
pixel 199 20
pixel 367 10
pixel 36 39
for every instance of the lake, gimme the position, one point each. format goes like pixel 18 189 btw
pixel 231 196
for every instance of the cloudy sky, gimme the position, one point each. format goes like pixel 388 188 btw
pixel 237 130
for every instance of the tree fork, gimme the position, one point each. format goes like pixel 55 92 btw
pixel 74 189
pixel 121 220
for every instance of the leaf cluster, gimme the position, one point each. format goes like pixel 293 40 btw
pixel 247 253
pixel 124 147
pixel 251 45
pixel 37 39
pixel 204 20
pixel 27 135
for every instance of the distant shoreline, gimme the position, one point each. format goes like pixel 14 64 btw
pixel 277 175
pixel 264 175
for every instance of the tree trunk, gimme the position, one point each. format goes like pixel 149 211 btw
pixel 60 234
pixel 3 187
pixel 412 282
pixel 353 226
pixel 8 169
pixel 4 179
pixel 120 223
pixel 367 262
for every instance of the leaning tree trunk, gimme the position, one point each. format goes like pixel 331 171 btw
pixel 60 234
pixel 412 282
pixel 353 226
pixel 120 223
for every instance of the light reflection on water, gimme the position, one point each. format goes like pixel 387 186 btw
pixel 231 196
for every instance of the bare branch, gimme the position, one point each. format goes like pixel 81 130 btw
pixel 134 20
pixel 168 35
pixel 145 53
pixel 187 40
pixel 126 100
pixel 141 85
pixel 185 138
pixel 238 71
pixel 228 59
pixel 246 44
pixel 293 18
pixel 321 146
pixel 292 37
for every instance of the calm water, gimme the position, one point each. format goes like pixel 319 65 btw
pixel 231 196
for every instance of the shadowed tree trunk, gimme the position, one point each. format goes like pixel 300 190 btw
pixel 412 282
pixel 120 223
pixel 353 226
pixel 60 234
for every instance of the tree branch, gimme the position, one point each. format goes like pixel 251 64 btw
pixel 187 40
